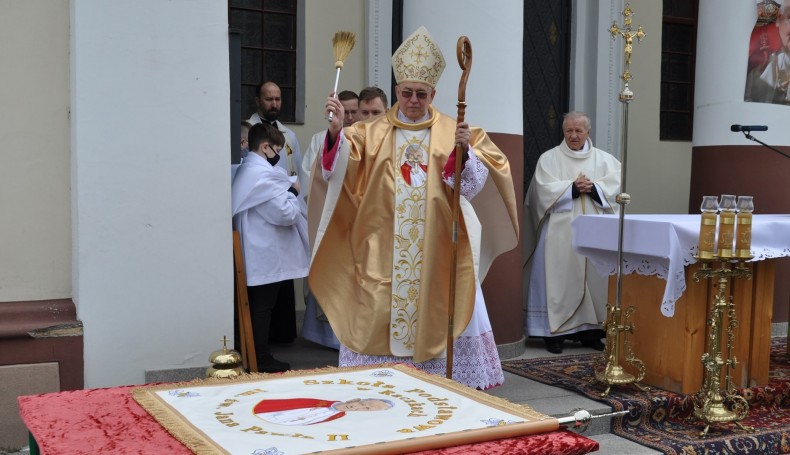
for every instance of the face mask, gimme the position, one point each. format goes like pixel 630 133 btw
pixel 273 161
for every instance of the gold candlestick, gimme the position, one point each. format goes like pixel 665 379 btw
pixel 713 403
pixel 608 370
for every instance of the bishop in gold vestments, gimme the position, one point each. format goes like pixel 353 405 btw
pixel 382 250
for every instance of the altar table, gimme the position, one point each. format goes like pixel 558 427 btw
pixel 671 309
pixel 110 421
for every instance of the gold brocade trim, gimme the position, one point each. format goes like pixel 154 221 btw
pixel 180 428
pixel 291 164
pixel 408 240
pixel 172 421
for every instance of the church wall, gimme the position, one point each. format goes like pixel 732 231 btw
pixel 34 151
pixel 152 261
pixel 493 93
pixel 658 171
pixel 35 232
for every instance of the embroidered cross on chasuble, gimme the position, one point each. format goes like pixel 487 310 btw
pixel 409 229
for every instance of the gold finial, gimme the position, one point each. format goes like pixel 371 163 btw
pixel 225 363
pixel 628 34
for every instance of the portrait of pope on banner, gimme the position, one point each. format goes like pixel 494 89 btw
pixel 309 411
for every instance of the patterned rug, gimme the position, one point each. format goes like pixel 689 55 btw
pixel 660 419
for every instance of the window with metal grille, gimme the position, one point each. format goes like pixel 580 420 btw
pixel 678 56
pixel 268 50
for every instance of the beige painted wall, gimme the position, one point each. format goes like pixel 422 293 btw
pixel 322 20
pixel 659 172
pixel 35 232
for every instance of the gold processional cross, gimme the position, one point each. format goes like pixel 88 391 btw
pixel 612 372
pixel 628 34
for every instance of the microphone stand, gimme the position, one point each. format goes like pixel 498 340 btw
pixel 749 136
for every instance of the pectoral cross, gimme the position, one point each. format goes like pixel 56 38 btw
pixel 628 34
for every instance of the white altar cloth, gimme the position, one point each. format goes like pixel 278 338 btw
pixel 663 245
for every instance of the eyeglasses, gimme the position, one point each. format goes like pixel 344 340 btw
pixel 409 93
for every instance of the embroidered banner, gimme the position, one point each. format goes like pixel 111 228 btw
pixel 385 409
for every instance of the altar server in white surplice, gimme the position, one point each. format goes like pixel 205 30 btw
pixel 272 222
pixel 565 296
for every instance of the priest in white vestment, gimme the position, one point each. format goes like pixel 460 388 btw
pixel 565 296
pixel 381 260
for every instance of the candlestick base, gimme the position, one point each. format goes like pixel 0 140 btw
pixel 607 368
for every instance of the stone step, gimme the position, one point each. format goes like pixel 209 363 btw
pixel 553 401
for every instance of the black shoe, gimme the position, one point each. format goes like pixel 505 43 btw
pixel 554 344
pixel 594 344
pixel 269 364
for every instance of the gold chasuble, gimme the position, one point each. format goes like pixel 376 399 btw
pixel 382 249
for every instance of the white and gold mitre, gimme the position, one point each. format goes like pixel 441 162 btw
pixel 418 59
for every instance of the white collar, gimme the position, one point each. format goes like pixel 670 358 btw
pixel 583 153
pixel 405 119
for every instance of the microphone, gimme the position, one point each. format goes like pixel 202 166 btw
pixel 748 128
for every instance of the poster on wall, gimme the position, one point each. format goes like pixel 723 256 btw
pixel 364 410
pixel 768 71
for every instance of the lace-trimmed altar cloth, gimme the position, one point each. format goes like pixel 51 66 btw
pixel 663 245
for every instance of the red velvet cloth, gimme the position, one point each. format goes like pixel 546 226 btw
pixel 110 421
pixel 562 442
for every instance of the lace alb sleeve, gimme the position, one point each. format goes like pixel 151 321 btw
pixel 473 177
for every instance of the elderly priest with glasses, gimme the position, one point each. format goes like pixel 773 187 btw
pixel 382 252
